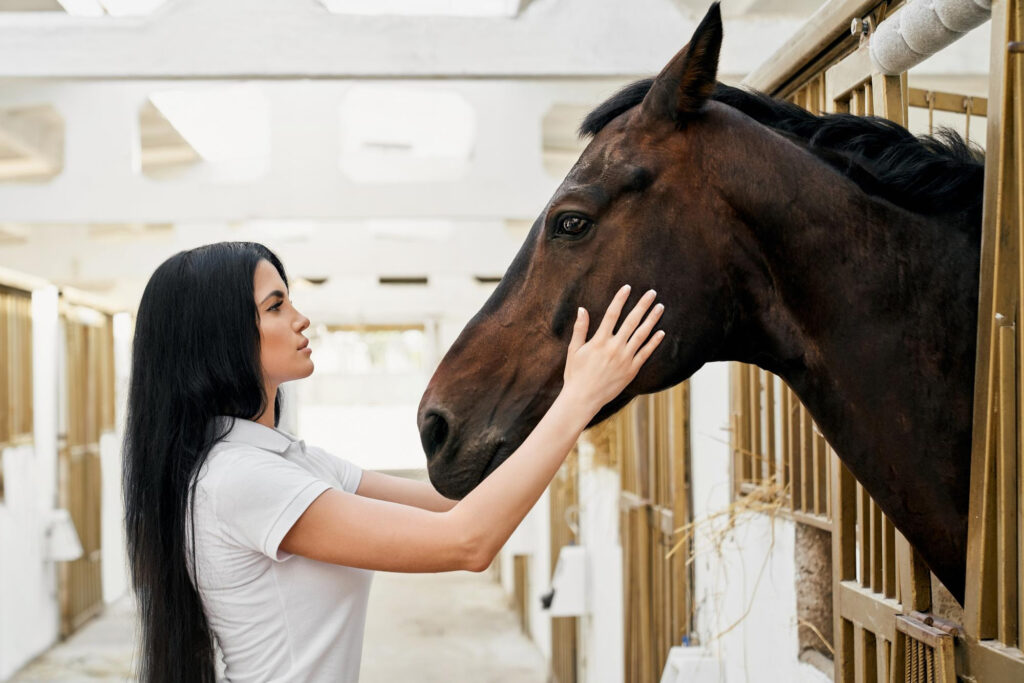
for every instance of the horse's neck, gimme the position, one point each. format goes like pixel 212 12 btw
pixel 870 314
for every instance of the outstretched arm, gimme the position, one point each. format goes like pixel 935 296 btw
pixel 357 531
pixel 394 489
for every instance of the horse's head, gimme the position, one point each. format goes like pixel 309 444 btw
pixel 634 209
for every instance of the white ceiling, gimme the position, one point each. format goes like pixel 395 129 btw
pixel 126 139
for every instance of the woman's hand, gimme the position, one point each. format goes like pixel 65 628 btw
pixel 596 371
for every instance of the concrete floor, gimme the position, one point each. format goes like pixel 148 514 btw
pixel 424 628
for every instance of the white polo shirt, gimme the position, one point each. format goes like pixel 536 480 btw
pixel 276 617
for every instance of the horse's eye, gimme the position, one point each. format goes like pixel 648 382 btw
pixel 572 225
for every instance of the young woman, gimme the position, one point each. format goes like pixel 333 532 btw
pixel 240 532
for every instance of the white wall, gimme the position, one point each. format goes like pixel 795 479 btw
pixel 744 577
pixel 29 618
pixel 29 607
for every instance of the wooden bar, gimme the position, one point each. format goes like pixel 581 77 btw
pixel 1015 161
pixel 859 647
pixel 806 466
pixel 1006 494
pixel 864 536
pixel 817 484
pixel 882 656
pixel 821 475
pixel 843 563
pixel 947 101
pixel 769 400
pixel 787 444
pixel 755 452
pixel 796 474
pixel 874 613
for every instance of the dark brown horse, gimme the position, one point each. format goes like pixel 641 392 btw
pixel 839 252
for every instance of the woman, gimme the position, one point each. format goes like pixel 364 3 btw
pixel 283 535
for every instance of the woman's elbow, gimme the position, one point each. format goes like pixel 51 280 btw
pixel 475 552
pixel 478 561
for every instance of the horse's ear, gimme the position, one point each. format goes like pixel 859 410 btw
pixel 687 81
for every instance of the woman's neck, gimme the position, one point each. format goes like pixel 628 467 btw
pixel 267 418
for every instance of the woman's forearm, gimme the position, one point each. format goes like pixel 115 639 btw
pixel 488 515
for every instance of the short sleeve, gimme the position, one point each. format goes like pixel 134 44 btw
pixel 259 497
pixel 349 475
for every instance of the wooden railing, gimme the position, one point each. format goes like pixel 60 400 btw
pixel 776 444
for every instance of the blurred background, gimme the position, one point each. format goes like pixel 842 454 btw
pixel 393 153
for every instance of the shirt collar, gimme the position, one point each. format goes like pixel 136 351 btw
pixel 255 434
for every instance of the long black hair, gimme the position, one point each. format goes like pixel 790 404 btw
pixel 196 355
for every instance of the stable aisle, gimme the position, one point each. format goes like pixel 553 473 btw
pixel 421 628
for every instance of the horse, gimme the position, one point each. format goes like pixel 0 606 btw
pixel 838 252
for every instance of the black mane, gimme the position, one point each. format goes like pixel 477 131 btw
pixel 928 174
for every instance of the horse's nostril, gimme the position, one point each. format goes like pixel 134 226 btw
pixel 433 433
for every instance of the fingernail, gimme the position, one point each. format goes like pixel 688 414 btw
pixel 579 312
pixel 661 333
pixel 660 307
pixel 626 287
pixel 651 291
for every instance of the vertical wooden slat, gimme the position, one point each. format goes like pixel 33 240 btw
pixel 844 497
pixel 787 447
pixel 769 399
pixel 755 450
pixel 806 468
pixel 998 249
pixel 863 536
pixel 876 547
pixel 882 654
pixel 1006 494
pixel 817 484
pixel 889 576
pixel 796 473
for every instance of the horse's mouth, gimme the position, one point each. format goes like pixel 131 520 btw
pixel 457 484
pixel 498 455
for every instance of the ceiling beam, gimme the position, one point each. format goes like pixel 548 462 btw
pixel 100 181
pixel 192 39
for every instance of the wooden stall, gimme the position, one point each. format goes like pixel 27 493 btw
pixel 886 628
pixel 87 412
pixel 16 369
pixel 648 442
pixel 564 502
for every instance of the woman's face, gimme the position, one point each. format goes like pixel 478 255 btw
pixel 284 351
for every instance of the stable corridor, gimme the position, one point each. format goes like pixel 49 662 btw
pixel 426 628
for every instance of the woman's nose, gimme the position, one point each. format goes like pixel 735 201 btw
pixel 303 322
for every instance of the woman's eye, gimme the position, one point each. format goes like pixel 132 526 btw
pixel 275 306
pixel 572 224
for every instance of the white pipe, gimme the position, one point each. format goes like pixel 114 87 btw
pixel 921 28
